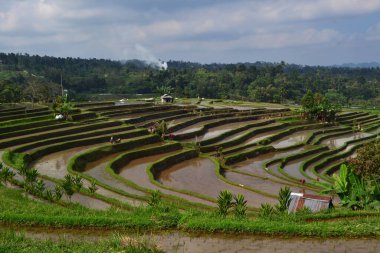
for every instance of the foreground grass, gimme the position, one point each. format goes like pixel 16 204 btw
pixel 15 242
pixel 15 209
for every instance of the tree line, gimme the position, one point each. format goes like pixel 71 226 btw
pixel 38 78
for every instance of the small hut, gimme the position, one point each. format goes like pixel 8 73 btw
pixel 314 202
pixel 166 98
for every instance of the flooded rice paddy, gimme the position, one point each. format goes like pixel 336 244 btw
pixel 336 142
pixel 55 164
pixel 198 175
pixel 135 171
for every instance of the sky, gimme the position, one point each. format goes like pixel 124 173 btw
pixel 309 32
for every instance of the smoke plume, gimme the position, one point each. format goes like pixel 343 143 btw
pixel 145 55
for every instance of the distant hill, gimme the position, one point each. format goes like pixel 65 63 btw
pixel 359 65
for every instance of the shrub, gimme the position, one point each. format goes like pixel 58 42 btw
pixel 6 174
pixel 49 195
pixel 39 188
pixel 58 192
pixel 155 198
pixel 266 211
pixel 283 199
pixel 224 202
pixel 31 175
pixel 92 188
pixel 68 186
pixel 77 183
pixel 160 128
pixel 240 206
pixel 367 162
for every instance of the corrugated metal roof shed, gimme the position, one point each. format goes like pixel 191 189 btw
pixel 314 202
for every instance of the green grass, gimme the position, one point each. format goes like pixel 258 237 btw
pixel 18 210
pixel 11 241
pixel 22 121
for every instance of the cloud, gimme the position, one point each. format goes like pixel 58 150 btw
pixel 111 29
pixel 373 32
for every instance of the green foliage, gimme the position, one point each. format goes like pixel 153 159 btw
pixel 304 211
pixel 11 241
pixel 18 210
pixel 283 199
pixel 6 175
pixel 164 89
pixel 49 195
pixel 224 202
pixel 160 128
pixel 92 188
pixel 354 191
pixel 317 107
pixel 77 183
pixel 155 198
pixel 367 162
pixel 63 106
pixel 240 206
pixel 31 175
pixel 267 211
pixel 266 82
pixel 9 93
pixel 40 187
pixel 58 192
pixel 68 186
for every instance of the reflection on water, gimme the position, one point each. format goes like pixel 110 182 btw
pixel 293 139
pixel 198 175
pixel 336 142
pixel 55 164
pixel 254 165
pixel 135 171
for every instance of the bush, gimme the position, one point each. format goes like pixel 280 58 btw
pixel 266 211
pixel 283 199
pixel 240 206
pixel 224 202
pixel 92 188
pixel 367 162
pixel 155 198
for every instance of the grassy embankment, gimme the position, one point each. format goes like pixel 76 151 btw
pixel 18 210
pixel 11 241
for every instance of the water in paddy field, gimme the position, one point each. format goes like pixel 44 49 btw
pixel 293 139
pixel 194 127
pixel 256 138
pixel 263 185
pixel 177 241
pixel 216 131
pixel 55 164
pixel 135 171
pixel 336 142
pixel 255 165
pixel 198 175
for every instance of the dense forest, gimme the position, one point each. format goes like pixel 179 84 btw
pixel 34 78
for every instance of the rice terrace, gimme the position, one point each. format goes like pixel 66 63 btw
pixel 178 157
pixel 190 126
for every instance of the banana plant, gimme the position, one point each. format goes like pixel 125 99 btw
pixel 354 191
